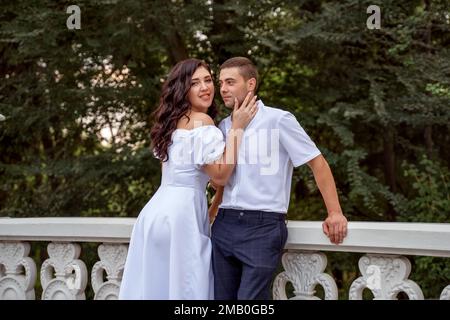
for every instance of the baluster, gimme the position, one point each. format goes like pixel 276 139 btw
pixel 445 295
pixel 17 271
pixel 304 270
pixel 112 261
pixel 385 276
pixel 63 275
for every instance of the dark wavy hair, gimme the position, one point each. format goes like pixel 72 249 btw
pixel 174 104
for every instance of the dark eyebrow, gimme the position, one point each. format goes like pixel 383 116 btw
pixel 228 79
pixel 197 79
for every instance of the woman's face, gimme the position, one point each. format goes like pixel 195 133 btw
pixel 201 93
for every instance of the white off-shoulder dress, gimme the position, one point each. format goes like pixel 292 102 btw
pixel 169 255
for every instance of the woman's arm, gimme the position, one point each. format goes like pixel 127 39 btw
pixel 221 170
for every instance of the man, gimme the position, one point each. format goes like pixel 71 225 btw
pixel 249 231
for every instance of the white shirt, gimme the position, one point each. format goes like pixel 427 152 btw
pixel 273 143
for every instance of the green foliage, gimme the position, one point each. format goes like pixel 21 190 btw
pixel 431 274
pixel 429 202
pixel 374 101
pixel 430 198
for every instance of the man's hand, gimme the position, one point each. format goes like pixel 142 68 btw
pixel 335 227
pixel 215 201
pixel 212 213
pixel 213 185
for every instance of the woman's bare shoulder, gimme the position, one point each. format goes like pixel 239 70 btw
pixel 196 119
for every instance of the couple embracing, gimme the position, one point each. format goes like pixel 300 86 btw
pixel 174 252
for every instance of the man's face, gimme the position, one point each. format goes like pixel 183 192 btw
pixel 233 85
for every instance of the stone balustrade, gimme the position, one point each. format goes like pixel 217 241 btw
pixel 384 269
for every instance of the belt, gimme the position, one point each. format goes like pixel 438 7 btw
pixel 251 214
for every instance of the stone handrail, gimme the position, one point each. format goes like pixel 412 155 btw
pixel 114 230
pixel 421 239
pixel 424 239
pixel 383 269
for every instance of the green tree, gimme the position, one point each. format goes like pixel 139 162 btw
pixel 77 103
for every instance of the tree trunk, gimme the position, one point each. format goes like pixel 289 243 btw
pixel 428 140
pixel 389 167
pixel 224 35
pixel 175 46
pixel 165 28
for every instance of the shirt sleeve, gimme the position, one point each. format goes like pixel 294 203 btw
pixel 296 141
pixel 222 127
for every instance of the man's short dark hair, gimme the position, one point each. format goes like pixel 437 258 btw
pixel 246 68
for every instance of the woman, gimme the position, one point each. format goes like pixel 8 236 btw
pixel 169 256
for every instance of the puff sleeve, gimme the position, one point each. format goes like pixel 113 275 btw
pixel 209 144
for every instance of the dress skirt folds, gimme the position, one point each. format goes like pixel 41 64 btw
pixel 169 255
